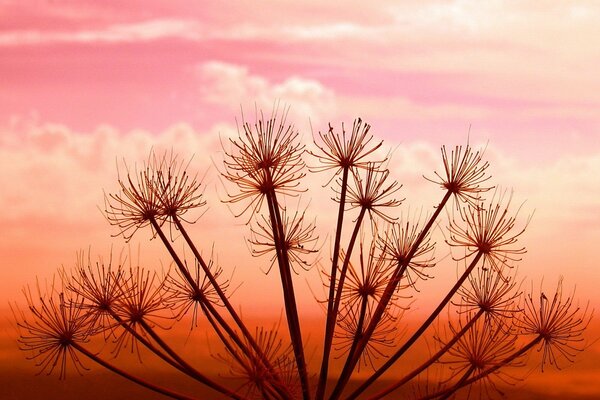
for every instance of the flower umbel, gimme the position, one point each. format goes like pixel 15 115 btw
pixel 265 157
pixel 559 323
pixel 490 230
pixel 55 324
pixel 464 175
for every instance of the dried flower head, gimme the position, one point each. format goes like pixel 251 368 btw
pixel 266 157
pixel 496 293
pixel 464 175
pixel 397 244
pixel 177 190
pixel 137 204
pixel 340 152
pixel 368 281
pixel 299 239
pixel 182 297
pixel 145 305
pixel 352 324
pixel 55 324
pixel 100 286
pixel 558 322
pixel 254 375
pixel 485 345
pixel 371 192
pixel 489 230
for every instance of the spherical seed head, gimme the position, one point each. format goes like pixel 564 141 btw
pixel 341 151
pixel 299 239
pixel 558 322
pixel 137 204
pixel 177 190
pixel 254 375
pixel 53 325
pixel 372 193
pixel 488 229
pixel 266 157
pixel 397 244
pixel 496 293
pixel 100 285
pixel 182 298
pixel 484 345
pixel 464 175
pixel 147 301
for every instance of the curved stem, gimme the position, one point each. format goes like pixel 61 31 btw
pixel 174 362
pixel 203 300
pixel 291 308
pixel 185 365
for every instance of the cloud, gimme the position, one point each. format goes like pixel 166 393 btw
pixel 141 31
pixel 230 85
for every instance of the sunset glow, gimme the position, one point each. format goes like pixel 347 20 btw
pixel 88 84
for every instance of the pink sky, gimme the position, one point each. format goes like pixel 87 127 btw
pixel 83 83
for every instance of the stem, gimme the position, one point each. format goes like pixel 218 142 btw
pixel 288 292
pixel 230 308
pixel 420 331
pixel 383 303
pixel 431 360
pixel 330 322
pixel 126 375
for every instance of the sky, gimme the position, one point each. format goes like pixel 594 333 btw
pixel 85 84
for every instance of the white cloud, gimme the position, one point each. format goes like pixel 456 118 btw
pixel 231 85
pixel 130 32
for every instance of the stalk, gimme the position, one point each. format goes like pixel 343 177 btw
pixel 331 317
pixel 231 333
pixel 288 292
pixel 183 363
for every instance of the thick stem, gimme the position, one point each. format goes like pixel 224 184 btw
pixel 384 302
pixel 421 330
pixel 431 360
pixel 291 308
pixel 126 375
pixel 330 321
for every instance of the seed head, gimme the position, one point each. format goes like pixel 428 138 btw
pixel 53 325
pixel 464 175
pixel 266 157
pixel 559 323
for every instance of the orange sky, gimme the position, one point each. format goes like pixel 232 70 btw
pixel 87 83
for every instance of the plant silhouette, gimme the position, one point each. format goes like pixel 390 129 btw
pixel 376 264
